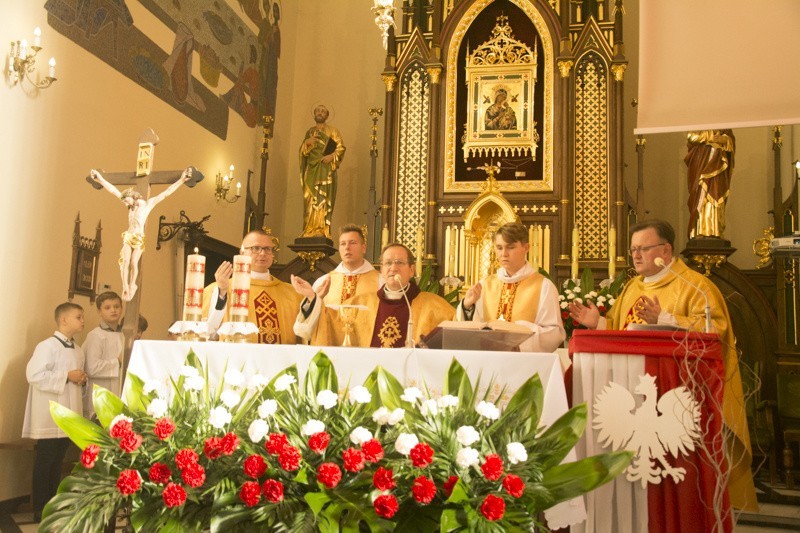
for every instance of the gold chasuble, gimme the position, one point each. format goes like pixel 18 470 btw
pixel 511 301
pixel 273 308
pixel 385 323
pixel 343 287
pixel 687 305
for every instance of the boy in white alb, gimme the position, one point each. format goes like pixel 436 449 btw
pixel 103 349
pixel 55 373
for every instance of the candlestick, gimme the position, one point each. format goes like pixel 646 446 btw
pixel 447 251
pixel 530 244
pixel 462 252
pixel 384 236
pixel 420 250
pixel 612 252
pixel 239 292
pixel 574 269
pixel 546 249
pixel 193 287
pixel 535 247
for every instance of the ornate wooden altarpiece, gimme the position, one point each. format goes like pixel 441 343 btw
pixel 451 67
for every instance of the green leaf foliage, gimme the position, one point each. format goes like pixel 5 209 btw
pixel 79 430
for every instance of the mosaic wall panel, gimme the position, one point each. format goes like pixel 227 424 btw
pixel 591 156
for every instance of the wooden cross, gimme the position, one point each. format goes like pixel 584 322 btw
pixel 141 179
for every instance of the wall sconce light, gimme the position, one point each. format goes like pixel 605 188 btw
pixel 224 187
pixel 22 62
pixel 384 18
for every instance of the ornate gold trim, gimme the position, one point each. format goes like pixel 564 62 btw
pixel 777 140
pixel 389 80
pixel 546 184
pixel 708 261
pixel 435 73
pixel 311 258
pixel 761 248
pixel 565 66
pixel 619 71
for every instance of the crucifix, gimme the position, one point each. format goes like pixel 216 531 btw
pixel 139 204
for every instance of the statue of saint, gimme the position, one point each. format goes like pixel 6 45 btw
pixel 709 162
pixel 500 115
pixel 133 238
pixel 320 155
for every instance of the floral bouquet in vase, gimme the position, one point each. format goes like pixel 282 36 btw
pixel 584 290
pixel 289 455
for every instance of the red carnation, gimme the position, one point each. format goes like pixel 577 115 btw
pixel 514 485
pixel 229 443
pixel 564 315
pixel 254 466
pixel 160 473
pixel 130 442
pixel 421 455
pixel 194 475
pixel 164 428
pixel 212 447
pixel 275 443
pixel 128 482
pixel 493 507
pixel 289 458
pixel 449 484
pixel 423 490
pixel 492 468
pixel 382 479
pixel 353 460
pixel 319 441
pixel 250 493
pixel 386 505
pixel 89 455
pixel 174 495
pixel 373 451
pixel 601 308
pixel 329 474
pixel 121 428
pixel 576 323
pixel 186 457
pixel 272 490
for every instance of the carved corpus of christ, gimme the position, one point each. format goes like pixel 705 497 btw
pixel 139 203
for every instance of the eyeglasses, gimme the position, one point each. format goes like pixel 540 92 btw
pixel 396 262
pixel 255 250
pixel 644 249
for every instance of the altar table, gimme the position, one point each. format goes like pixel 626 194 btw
pixel 159 360
pixel 699 503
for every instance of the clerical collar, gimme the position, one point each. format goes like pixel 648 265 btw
pixel 411 290
pixel 263 276
pixel 363 269
pixel 67 343
pixel 521 274
pixel 660 275
pixel 105 327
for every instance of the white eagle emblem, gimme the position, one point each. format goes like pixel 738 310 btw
pixel 651 430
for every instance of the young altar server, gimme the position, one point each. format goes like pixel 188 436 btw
pixel 516 293
pixel 103 349
pixel 55 373
pixel 354 276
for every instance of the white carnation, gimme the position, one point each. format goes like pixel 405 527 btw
pixel 404 443
pixel 564 305
pixel 234 378
pixel 467 435
pixel 411 395
pixel 258 430
pixel 381 416
pixel 396 416
pixel 194 383
pixel 284 382
pixel 448 400
pixel 577 289
pixel 360 435
pixel 230 398
pixel 429 408
pixel 611 301
pixel 327 398
pixel 516 453
pixel 257 381
pixel 488 410
pixel 561 298
pixel 312 427
pixel 360 394
pixel 467 457
pixel 579 300
pixel 157 408
pixel 219 417
pixel 189 371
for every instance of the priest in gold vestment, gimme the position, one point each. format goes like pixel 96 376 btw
pixel 659 296
pixel 273 304
pixel 354 276
pixel 384 324
pixel 517 294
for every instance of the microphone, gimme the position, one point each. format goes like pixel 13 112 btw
pixel 410 332
pixel 660 262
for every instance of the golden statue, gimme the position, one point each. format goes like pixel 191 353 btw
pixel 320 155
pixel 709 164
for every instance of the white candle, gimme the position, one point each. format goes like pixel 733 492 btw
pixel 530 244
pixel 612 252
pixel 546 249
pixel 420 249
pixel 384 236
pixel 193 287
pixel 238 188
pixel 535 247
pixel 574 269
pixel 447 251
pixel 37 37
pixel 231 174
pixel 23 49
pixel 239 292
pixel 453 251
pixel 52 71
pixel 462 252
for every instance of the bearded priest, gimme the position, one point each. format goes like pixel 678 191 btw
pixel 516 293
